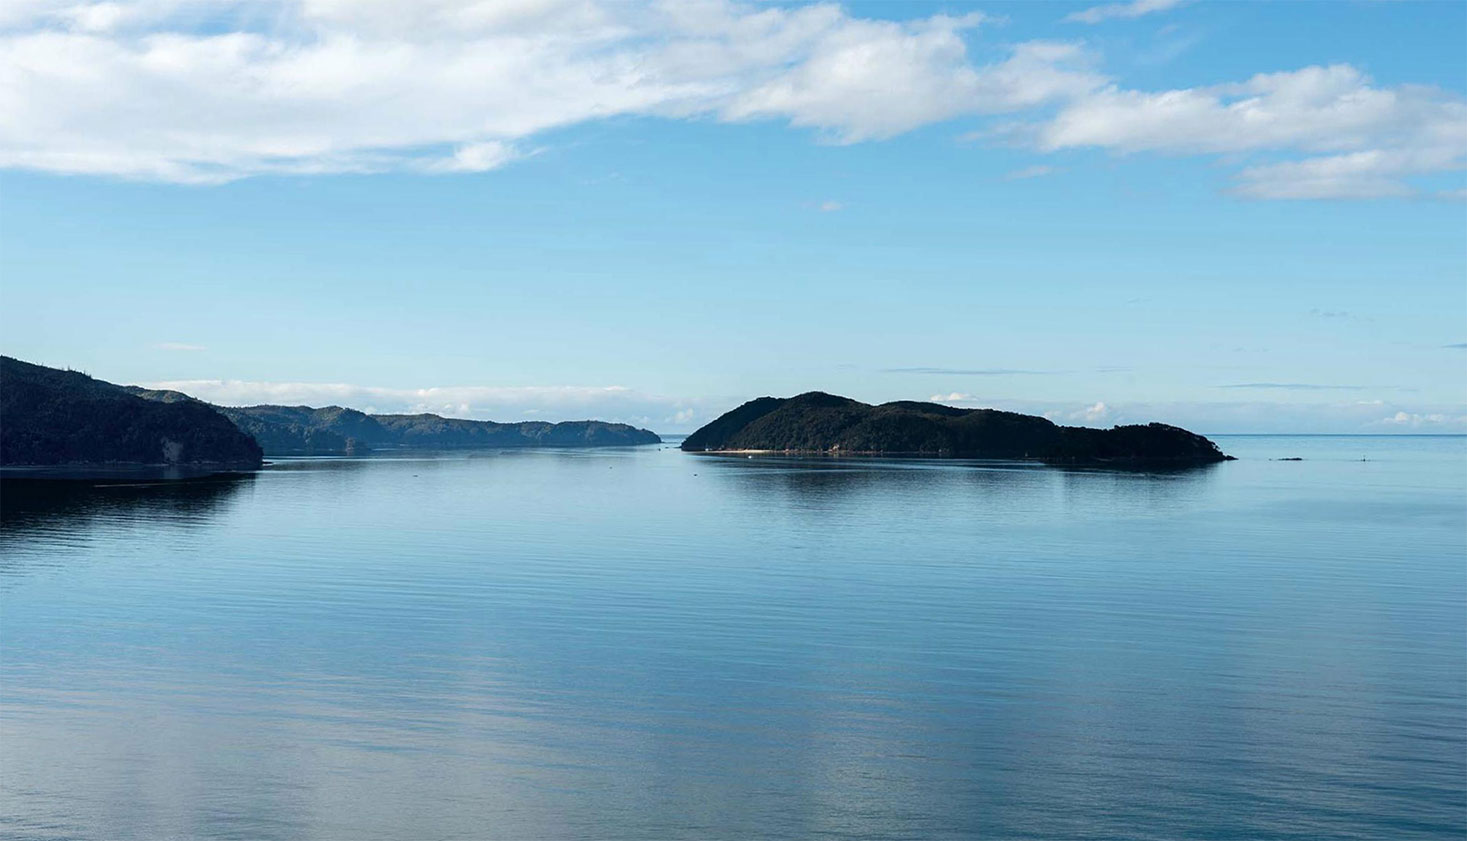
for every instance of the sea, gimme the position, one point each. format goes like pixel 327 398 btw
pixel 643 643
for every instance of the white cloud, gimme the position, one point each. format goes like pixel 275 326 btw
pixel 502 403
pixel 207 91
pixel 96 17
pixel 475 157
pixel 178 346
pixel 248 392
pixel 676 414
pixel 831 206
pixel 875 79
pixel 1285 418
pixel 1374 173
pixel 1345 417
pixel 1433 421
pixel 143 90
pixel 1134 9
pixel 1364 139
pixel 1094 413
pixel 1317 108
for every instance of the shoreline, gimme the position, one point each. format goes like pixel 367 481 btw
pixel 125 471
pixel 1094 462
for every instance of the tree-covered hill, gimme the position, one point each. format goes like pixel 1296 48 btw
pixel 54 417
pixel 331 430
pixel 824 423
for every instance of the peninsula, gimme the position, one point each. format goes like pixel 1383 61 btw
pixel 56 418
pixel 817 422
pixel 334 430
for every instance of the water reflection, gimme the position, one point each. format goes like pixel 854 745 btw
pixel 648 644
pixel 37 508
pixel 831 486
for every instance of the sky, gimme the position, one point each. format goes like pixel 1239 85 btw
pixel 1236 217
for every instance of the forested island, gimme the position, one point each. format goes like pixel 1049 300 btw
pixel 53 417
pixel 817 422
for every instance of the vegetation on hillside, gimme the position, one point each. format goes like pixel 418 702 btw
pixel 304 430
pixel 54 417
pixel 826 423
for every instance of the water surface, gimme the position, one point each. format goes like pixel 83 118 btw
pixel 642 643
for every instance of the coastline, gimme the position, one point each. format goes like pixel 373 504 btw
pixel 943 455
pixel 124 471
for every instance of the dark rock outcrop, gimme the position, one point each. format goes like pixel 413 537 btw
pixel 824 423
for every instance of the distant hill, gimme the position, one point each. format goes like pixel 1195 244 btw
pixel 54 417
pixel 824 423
pixel 303 430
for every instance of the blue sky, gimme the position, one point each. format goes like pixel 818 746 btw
pixel 1237 217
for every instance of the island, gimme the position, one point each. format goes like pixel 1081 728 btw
pixel 59 421
pixel 817 422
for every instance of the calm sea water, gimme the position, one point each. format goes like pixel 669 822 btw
pixel 647 644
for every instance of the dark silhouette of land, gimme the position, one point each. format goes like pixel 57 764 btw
pixel 333 430
pixel 54 417
pixel 817 422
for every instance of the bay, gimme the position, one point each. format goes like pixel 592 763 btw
pixel 644 643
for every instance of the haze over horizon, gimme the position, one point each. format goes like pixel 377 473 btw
pixel 648 213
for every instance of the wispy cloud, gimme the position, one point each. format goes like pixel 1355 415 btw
pixel 1134 9
pixel 178 346
pixel 473 157
pixel 1352 416
pixel 1093 413
pixel 1326 132
pixel 1457 345
pixel 1367 174
pixel 967 372
pixel 139 90
pixel 611 403
pixel 1037 171
pixel 1296 386
pixel 1433 421
pixel 678 414
pixel 1168 48
pixel 831 206
pixel 1097 412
